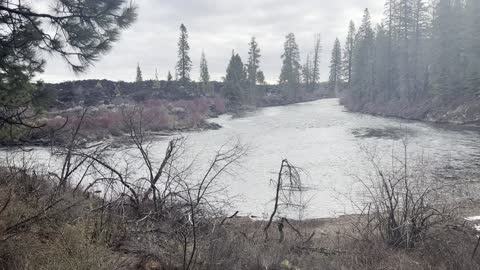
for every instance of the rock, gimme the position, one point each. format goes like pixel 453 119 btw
pixel 212 126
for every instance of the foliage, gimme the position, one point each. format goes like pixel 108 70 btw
pixel 317 50
pixel 423 50
pixel 335 68
pixel 139 77
pixel 348 53
pixel 77 31
pixel 205 75
pixel 184 64
pixel 235 80
pixel 253 63
pixel 290 73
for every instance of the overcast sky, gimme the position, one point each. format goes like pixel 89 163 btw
pixel 218 27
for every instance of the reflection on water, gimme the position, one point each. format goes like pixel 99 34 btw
pixel 328 143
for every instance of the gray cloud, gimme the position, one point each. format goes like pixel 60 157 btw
pixel 218 27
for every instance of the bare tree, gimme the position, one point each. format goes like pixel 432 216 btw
pixel 404 202
pixel 288 191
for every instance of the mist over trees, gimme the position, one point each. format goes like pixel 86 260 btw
pixel 421 51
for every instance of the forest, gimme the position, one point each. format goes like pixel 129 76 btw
pixel 422 61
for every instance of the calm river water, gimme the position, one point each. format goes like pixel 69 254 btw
pixel 329 144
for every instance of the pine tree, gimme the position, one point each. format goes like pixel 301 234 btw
pixel 444 56
pixel 317 50
pixel 261 77
pixel 422 49
pixel 391 26
pixel 204 74
pixel 335 67
pixel 156 80
pixel 184 64
pixel 363 66
pixel 139 77
pixel 290 74
pixel 307 72
pixel 348 54
pixel 79 32
pixel 472 45
pixel 235 80
pixel 169 77
pixel 421 25
pixel 381 89
pixel 253 61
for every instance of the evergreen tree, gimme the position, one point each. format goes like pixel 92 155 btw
pixel 317 50
pixel 423 49
pixel 252 68
pixel 391 26
pixel 184 64
pixel 290 74
pixel 405 20
pixel 348 53
pixel 139 77
pixel 472 46
pixel 204 74
pixel 444 56
pixel 235 80
pixel 421 27
pixel 381 88
pixel 335 68
pixel 253 61
pixel 156 80
pixel 307 72
pixel 261 77
pixel 169 77
pixel 363 62
pixel 26 37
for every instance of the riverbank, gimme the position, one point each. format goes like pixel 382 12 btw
pixel 42 228
pixel 154 117
pixel 459 111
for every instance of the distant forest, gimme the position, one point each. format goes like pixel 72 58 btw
pixel 243 84
pixel 423 54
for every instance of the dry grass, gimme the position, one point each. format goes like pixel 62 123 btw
pixel 74 235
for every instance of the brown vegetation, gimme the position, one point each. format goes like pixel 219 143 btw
pixel 109 121
pixel 96 213
pixel 82 232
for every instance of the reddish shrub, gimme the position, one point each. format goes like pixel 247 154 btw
pixel 219 104
pixel 157 118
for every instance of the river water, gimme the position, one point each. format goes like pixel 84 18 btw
pixel 329 144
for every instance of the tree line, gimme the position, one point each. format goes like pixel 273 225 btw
pixel 422 49
pixel 241 79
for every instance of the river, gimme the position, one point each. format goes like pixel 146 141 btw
pixel 329 144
